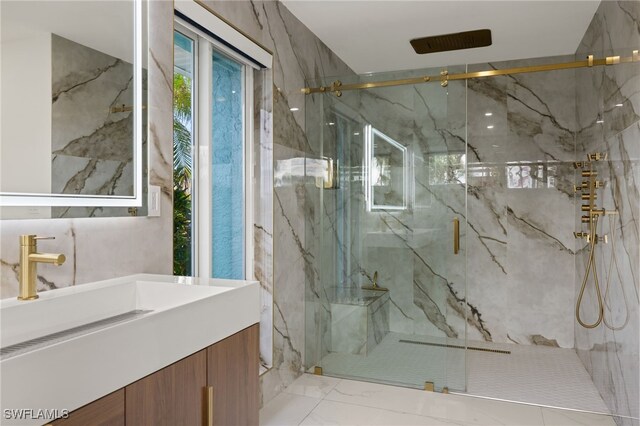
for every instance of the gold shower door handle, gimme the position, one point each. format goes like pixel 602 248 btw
pixel 456 236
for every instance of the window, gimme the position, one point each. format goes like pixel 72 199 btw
pixel 183 132
pixel 447 168
pixel 227 169
pixel 211 157
pixel 524 175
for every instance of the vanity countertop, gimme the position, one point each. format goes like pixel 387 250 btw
pixel 76 344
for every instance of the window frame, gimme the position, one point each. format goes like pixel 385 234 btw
pixel 202 233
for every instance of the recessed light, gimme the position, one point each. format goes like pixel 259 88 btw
pixel 488 114
pixel 233 91
pixel 332 124
pixel 618 105
pixel 490 126
pixel 600 121
pixel 294 109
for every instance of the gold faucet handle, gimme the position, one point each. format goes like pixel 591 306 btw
pixel 30 239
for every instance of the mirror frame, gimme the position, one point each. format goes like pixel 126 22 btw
pixel 8 199
pixel 370 134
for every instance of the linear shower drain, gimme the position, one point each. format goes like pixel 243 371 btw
pixel 442 345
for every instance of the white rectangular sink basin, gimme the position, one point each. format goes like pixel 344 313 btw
pixel 76 344
pixel 66 308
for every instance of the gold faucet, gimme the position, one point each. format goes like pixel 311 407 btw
pixel 29 259
pixel 374 285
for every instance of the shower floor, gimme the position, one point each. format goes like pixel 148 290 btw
pixel 540 375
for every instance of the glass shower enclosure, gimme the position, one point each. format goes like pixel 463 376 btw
pixel 387 302
pixel 446 229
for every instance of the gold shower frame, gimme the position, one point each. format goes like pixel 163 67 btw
pixel 337 87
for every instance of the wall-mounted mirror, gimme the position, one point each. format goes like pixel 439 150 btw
pixel 387 169
pixel 73 118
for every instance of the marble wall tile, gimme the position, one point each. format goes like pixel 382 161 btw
pixel 608 116
pixel 263 208
pixel 377 320
pixel 298 56
pixel 349 329
pixel 102 248
pixel 86 83
pixel 398 278
pixel 289 289
pixel 359 319
pixel 511 230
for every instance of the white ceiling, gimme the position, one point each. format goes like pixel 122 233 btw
pixel 373 35
pixel 106 26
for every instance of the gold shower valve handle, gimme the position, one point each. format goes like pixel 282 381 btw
pixel 581 164
pixel 589 196
pixel 597 156
pixel 589 173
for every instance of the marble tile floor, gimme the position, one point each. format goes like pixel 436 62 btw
pixel 322 400
pixel 540 375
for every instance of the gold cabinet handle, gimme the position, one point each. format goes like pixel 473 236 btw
pixel 456 236
pixel 209 416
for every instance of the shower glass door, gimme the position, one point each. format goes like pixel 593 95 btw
pixel 387 302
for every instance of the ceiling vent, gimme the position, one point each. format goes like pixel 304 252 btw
pixel 455 41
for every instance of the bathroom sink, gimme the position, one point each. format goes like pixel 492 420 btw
pixel 76 307
pixel 74 345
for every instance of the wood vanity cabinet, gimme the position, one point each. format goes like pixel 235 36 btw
pixel 106 411
pixel 233 371
pixel 173 396
pixel 178 394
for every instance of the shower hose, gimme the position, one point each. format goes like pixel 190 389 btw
pixel 591 269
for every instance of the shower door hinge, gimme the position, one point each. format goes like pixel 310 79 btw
pixel 317 371
pixel 429 386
